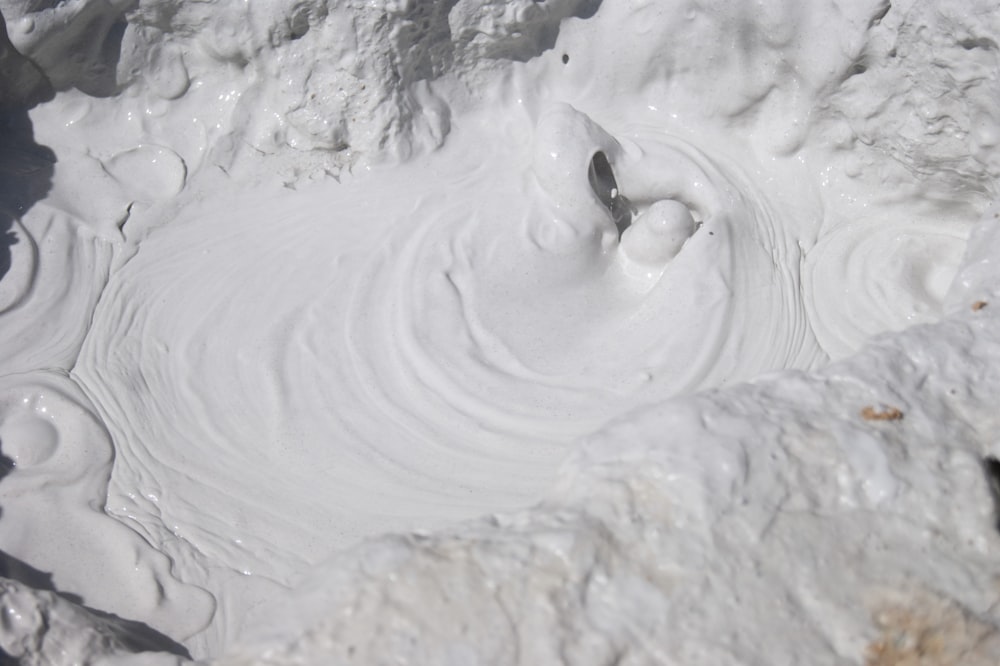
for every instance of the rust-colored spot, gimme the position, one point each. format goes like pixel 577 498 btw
pixel 978 305
pixel 870 413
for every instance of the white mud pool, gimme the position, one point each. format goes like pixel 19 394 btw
pixel 500 332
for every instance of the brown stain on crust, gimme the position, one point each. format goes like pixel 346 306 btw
pixel 870 413
pixel 979 305
pixel 929 630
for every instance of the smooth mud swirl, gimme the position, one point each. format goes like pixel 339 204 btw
pixel 285 373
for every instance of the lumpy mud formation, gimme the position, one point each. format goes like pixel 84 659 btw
pixel 499 332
